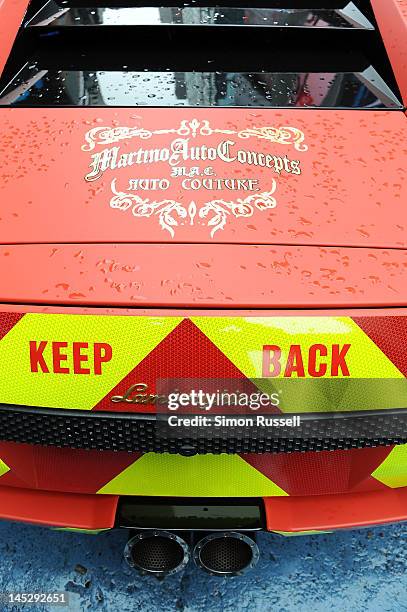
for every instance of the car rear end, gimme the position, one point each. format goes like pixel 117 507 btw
pixel 203 201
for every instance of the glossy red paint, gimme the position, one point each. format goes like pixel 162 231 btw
pixel 391 16
pixel 52 486
pixel 329 512
pixel 387 332
pixel 11 17
pixel 87 471
pixel 335 239
pixel 7 322
pixel 173 358
pixel 58 509
pixel 352 156
pixel 61 469
pixel 211 276
pixel 322 473
pixel 287 514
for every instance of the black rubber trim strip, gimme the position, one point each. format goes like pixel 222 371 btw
pixel 73 428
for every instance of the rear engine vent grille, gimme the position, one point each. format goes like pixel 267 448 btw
pixel 271 53
pixel 142 432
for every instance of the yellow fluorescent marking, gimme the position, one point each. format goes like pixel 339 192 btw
pixel 85 531
pixel 3 468
pixel 289 534
pixel 132 338
pixel 201 475
pixel 393 471
pixel 242 339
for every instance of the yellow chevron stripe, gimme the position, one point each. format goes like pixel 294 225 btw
pixel 289 534
pixel 84 531
pixel 199 476
pixel 393 471
pixel 241 339
pixel 132 338
pixel 3 468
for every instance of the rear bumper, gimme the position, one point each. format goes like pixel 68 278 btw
pixel 70 467
pixel 331 512
pixel 58 509
pixel 285 514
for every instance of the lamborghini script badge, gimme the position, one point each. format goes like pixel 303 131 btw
pixel 190 161
pixel 137 394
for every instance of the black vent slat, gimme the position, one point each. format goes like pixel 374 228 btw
pixel 363 6
pixel 54 15
pixel 243 89
pixel 271 54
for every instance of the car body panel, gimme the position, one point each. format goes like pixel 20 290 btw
pixel 70 179
pixel 189 241
pixel 81 362
pixel 224 276
pixel 11 17
pixel 391 16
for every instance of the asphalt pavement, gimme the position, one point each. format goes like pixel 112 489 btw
pixel 353 570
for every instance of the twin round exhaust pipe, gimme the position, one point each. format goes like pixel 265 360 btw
pixel 227 553
pixel 162 553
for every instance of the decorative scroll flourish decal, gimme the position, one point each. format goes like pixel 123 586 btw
pixel 145 208
pixel 193 174
pixel 284 135
pixel 171 214
pixel 108 135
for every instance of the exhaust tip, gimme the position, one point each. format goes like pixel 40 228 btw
pixel 226 553
pixel 160 553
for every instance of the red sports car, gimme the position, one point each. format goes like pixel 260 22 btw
pixel 203 271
